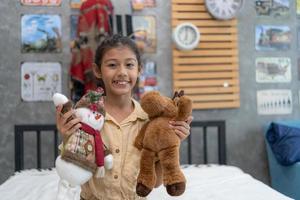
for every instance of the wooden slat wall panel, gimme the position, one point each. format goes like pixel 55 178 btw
pixel 209 74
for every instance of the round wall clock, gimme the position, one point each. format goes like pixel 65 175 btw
pixel 186 36
pixel 223 9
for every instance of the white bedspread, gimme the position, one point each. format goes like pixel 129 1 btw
pixel 203 183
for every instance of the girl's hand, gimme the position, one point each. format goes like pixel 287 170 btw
pixel 65 127
pixel 182 128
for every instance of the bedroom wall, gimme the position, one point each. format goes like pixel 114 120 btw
pixel 245 145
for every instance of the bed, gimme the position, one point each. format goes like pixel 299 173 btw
pixel 204 181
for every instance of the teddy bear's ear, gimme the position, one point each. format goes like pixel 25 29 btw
pixel 178 94
pixel 153 104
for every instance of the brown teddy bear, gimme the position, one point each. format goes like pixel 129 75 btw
pixel 160 144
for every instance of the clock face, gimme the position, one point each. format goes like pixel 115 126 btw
pixel 186 36
pixel 223 9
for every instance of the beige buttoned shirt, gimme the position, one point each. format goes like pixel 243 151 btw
pixel 119 183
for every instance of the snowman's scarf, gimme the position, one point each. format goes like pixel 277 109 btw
pixel 99 151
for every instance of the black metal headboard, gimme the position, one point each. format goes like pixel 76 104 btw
pixel 20 131
pixel 221 131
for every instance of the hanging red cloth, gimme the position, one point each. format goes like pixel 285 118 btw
pixel 93 27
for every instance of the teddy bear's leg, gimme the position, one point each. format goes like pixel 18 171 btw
pixel 158 174
pixel 173 178
pixel 147 178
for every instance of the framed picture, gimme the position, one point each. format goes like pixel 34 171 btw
pixel 274 102
pixel 41 33
pixel 148 78
pixel 272 8
pixel 149 68
pixel 40 80
pixel 272 38
pixel 75 4
pixel 273 69
pixel 41 2
pixel 144 33
pixel 141 4
pixel 137 4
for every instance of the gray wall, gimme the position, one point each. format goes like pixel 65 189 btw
pixel 245 145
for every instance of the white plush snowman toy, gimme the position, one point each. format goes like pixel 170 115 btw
pixel 83 153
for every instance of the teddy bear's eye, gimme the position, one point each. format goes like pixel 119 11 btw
pixel 94 112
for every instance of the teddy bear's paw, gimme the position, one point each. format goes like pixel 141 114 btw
pixel 142 190
pixel 176 189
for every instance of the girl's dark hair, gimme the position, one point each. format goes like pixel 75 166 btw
pixel 113 41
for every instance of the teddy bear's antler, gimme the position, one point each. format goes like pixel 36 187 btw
pixel 181 93
pixel 178 94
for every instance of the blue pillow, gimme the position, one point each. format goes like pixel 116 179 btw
pixel 285 143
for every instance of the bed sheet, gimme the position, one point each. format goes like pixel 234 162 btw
pixel 204 182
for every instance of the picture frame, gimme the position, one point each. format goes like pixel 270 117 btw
pixel 272 37
pixel 41 2
pixel 144 33
pixel 40 80
pixel 273 70
pixel 273 8
pixel 41 33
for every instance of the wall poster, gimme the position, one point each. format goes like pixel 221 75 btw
pixel 41 2
pixel 272 38
pixel 40 80
pixel 41 33
pixel 147 80
pixel 141 4
pixel 273 8
pixel 144 33
pixel 273 69
pixel 274 102
pixel 75 4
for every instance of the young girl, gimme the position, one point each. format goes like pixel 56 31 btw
pixel 118 64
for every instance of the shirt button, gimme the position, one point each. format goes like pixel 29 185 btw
pixel 117 150
pixel 115 176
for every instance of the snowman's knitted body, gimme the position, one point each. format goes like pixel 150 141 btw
pixel 83 152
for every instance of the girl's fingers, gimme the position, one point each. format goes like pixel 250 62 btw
pixel 69 132
pixel 58 111
pixel 182 128
pixel 180 123
pixel 189 120
pixel 73 129
pixel 66 116
pixel 68 126
pixel 180 134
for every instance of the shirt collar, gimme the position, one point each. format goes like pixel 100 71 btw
pixel 138 113
pixel 138 110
